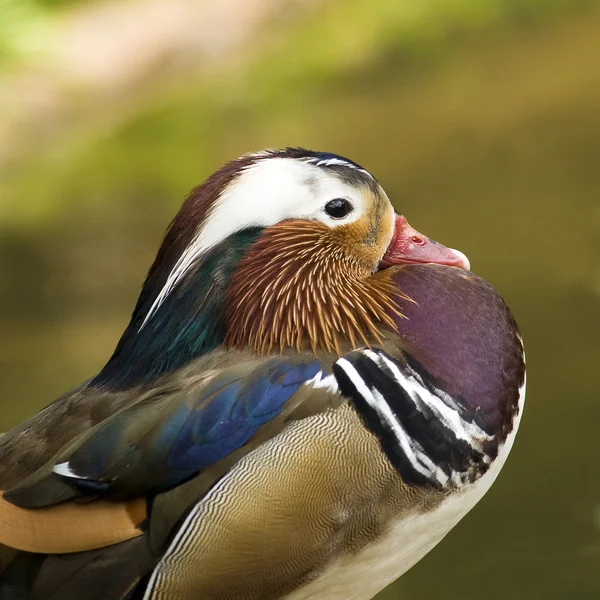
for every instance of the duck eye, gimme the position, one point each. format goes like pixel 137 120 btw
pixel 338 208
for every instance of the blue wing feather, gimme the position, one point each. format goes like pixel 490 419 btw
pixel 234 413
pixel 162 441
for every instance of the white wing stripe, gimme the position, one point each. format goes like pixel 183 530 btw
pixel 418 459
pixel 469 432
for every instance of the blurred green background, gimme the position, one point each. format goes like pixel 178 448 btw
pixel 481 118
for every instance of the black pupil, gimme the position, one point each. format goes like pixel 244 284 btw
pixel 338 208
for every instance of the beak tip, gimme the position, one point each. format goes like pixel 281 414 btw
pixel 464 261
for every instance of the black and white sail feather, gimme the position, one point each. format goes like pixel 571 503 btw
pixel 426 434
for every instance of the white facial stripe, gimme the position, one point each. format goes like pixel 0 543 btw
pixel 265 193
pixel 275 189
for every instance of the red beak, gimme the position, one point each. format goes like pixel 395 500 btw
pixel 410 246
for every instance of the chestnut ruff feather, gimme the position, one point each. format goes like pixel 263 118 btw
pixel 298 288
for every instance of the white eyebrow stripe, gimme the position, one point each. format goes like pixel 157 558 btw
pixel 183 264
pixel 272 189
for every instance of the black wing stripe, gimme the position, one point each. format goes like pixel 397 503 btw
pixel 427 435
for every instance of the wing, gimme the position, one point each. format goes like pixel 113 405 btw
pixel 166 438
pixel 324 489
pixel 174 432
pixel 96 491
pixel 220 470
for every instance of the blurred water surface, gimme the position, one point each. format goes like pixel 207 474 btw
pixel 492 147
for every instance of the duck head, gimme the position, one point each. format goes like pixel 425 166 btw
pixel 278 249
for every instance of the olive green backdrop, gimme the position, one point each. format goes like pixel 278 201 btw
pixel 480 118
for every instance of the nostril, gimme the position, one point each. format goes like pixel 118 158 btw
pixel 418 240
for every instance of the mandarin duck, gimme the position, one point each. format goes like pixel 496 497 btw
pixel 309 395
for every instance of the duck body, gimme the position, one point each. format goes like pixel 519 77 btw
pixel 360 555
pixel 282 418
pixel 408 536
